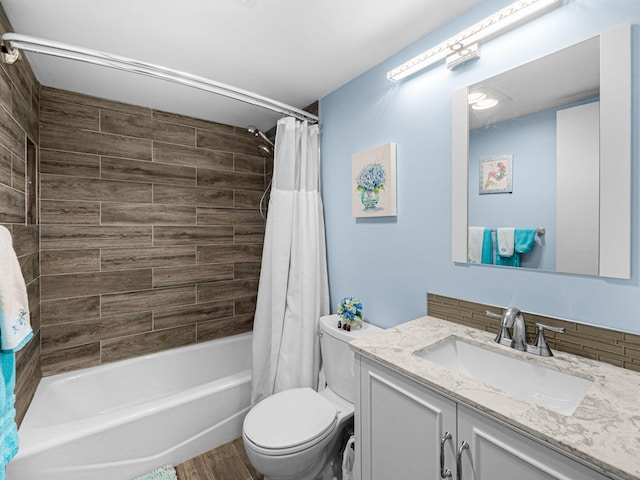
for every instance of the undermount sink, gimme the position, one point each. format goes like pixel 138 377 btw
pixel 544 386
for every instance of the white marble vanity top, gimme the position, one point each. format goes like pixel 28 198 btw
pixel 603 430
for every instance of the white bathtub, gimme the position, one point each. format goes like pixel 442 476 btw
pixel 121 420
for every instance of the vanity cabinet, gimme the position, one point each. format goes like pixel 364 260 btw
pixel 403 426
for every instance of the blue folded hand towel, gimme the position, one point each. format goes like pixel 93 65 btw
pixel 524 239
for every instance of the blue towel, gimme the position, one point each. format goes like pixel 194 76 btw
pixel 512 261
pixel 15 332
pixel 8 427
pixel 487 250
pixel 523 239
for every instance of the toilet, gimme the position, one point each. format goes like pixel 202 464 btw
pixel 291 434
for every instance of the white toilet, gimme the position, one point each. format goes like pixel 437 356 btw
pixel 291 434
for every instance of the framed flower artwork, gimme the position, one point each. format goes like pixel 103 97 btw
pixel 496 174
pixel 373 182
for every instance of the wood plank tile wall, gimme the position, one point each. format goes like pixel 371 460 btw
pixel 151 236
pixel 19 106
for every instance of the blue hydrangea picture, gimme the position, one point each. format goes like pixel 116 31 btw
pixel 373 183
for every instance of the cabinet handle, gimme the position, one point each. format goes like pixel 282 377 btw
pixel 463 446
pixel 444 472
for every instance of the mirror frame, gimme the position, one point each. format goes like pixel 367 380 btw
pixel 615 150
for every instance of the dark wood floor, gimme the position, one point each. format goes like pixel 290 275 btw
pixel 227 462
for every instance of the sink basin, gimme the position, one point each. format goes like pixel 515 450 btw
pixel 544 386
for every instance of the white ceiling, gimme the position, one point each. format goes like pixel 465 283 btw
pixel 293 51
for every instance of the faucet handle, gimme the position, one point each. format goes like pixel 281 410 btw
pixel 541 347
pixel 543 327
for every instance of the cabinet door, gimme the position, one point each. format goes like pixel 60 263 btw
pixel 497 452
pixel 402 424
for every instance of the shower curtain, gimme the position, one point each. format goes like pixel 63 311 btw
pixel 293 292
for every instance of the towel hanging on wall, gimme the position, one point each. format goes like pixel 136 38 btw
pixel 15 328
pixel 476 237
pixel 15 332
pixel 480 245
pixel 505 238
pixel 523 239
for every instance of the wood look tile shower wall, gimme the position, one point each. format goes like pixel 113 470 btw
pixel 19 106
pixel 151 236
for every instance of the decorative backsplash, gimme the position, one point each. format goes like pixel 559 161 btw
pixel 617 348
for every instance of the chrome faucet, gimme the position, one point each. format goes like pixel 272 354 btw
pixel 514 319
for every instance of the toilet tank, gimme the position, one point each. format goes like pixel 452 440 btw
pixel 337 357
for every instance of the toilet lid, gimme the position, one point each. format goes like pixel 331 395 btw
pixel 289 418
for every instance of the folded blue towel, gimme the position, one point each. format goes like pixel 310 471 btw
pixel 512 261
pixel 523 239
pixel 8 427
pixel 487 250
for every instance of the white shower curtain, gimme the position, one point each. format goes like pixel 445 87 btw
pixel 293 291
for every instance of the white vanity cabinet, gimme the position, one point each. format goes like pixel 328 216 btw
pixel 402 426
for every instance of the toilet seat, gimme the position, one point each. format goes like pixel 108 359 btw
pixel 290 421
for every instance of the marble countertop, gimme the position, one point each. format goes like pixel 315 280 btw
pixel 603 430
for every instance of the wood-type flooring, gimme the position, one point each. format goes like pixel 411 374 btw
pixel 227 462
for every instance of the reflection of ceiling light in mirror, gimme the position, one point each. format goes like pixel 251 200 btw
pixel 484 104
pixel 509 17
pixel 476 97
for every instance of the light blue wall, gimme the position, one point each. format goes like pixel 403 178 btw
pixel 531 140
pixel 391 263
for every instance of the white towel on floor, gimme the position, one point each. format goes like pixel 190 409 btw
pixel 505 237
pixel 15 327
pixel 474 245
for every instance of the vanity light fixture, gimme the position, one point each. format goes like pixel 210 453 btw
pixel 464 46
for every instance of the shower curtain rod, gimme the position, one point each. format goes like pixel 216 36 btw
pixel 63 50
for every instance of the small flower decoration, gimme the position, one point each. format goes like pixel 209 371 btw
pixel 371 177
pixel 350 311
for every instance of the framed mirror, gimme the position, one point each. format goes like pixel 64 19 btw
pixel 544 150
